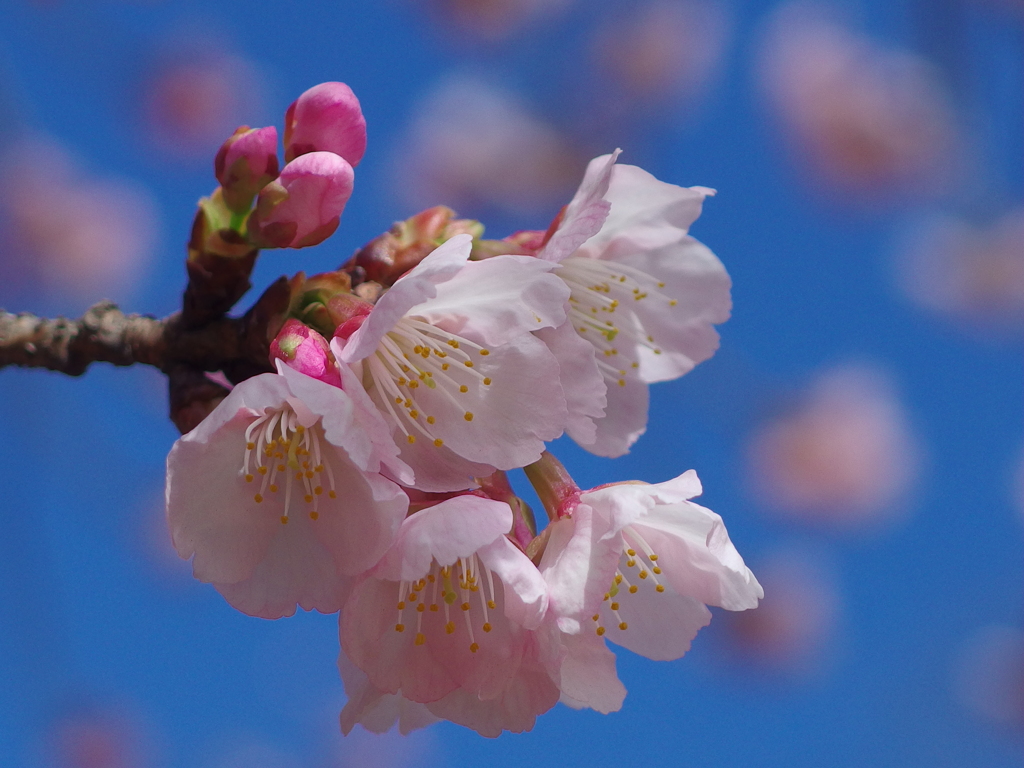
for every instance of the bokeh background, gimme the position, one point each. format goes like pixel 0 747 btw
pixel 861 429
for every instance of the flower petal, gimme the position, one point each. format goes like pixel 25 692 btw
pixel 375 710
pixel 587 675
pixel 413 288
pixel 582 383
pixel 625 418
pixel 526 594
pixel 495 300
pixel 585 214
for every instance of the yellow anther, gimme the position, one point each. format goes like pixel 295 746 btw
pixel 284 520
pixel 487 380
pixel 414 414
pixel 434 607
pixel 468 363
pixel 309 474
pixel 308 498
pixel 463 388
pixel 453 343
pixel 657 351
pixel 332 494
pixel 262 470
pixel 273 487
pixel 411 439
pixel 318 490
pixel 596 617
pixel 631 552
pixel 600 631
pixel 673 303
pixel 248 478
pixel 300 429
pixel 622 382
pixel 642 574
pixel 430 578
pixel 490 604
pixel 656 570
pixel 615 606
pixel 636 365
pixel 431 419
pixel 420 638
pixel 468 416
pixel 314 515
pixel 250 446
pixel 413 384
pixel 618 578
pixel 407 403
pixel 623 625
pixel 258 498
pixel 630 562
pixel 660 588
pixel 449 628
pixel 653 558
pixel 473 647
pixel 486 627
pixel 399 627
pixel 401 605
pixel 485 352
pixel 465 606
pixel 632 589
pixel 280 467
pixel 444 366
pixel 298 475
pixel 438 442
pixel 421 607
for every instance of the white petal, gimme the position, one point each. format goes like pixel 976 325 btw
pixel 582 382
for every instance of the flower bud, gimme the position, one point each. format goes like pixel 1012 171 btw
pixel 327 117
pixel 386 258
pixel 245 164
pixel 306 351
pixel 302 207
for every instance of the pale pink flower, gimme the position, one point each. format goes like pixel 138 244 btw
pixel 846 454
pixel 327 118
pixel 638 564
pixel 644 296
pixel 303 206
pixel 866 117
pixel 245 164
pixel 968 272
pixel 477 148
pixel 278 495
pixel 991 675
pixel 449 358
pixel 444 620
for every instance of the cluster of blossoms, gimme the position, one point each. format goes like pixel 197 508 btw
pixel 367 474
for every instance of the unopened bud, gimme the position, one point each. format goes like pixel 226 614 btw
pixel 306 351
pixel 311 296
pixel 245 164
pixel 303 205
pixel 386 258
pixel 348 313
pixel 328 118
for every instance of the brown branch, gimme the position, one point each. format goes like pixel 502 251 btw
pixel 105 334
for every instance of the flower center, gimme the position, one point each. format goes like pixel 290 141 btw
pixel 451 588
pixel 280 450
pixel 601 308
pixel 416 354
pixel 640 564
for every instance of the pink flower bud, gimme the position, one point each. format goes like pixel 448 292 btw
pixel 306 351
pixel 302 206
pixel 327 117
pixel 245 164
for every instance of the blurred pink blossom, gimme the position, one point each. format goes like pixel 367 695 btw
pixel 991 676
pixel 197 95
pixel 99 738
pixel 973 273
pixel 472 146
pixel 78 234
pixel 493 19
pixel 792 628
pixel 844 456
pixel 866 117
pixel 662 51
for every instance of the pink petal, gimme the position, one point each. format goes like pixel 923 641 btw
pixel 585 214
pixel 587 676
pixel 413 288
pixel 582 382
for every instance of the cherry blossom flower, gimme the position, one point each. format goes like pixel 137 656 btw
pixel 444 620
pixel 638 564
pixel 643 294
pixel 448 357
pixel 280 494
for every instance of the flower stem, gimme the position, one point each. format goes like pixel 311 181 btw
pixel 554 485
